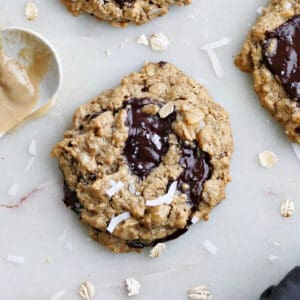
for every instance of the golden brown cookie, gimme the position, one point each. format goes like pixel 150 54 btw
pixel 146 159
pixel 122 12
pixel 271 54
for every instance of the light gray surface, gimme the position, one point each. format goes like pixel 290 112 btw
pixel 247 228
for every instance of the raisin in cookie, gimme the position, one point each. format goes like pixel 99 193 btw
pixel 147 159
pixel 121 12
pixel 271 53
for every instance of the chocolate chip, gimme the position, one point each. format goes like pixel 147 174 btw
pixel 281 51
pixel 71 199
pixel 196 170
pixel 148 137
pixel 142 244
pixel 162 63
pixel 297 130
pixel 122 2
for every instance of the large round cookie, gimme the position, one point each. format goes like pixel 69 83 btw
pixel 121 12
pixel 155 150
pixel 271 54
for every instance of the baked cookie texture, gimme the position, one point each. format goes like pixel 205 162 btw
pixel 122 12
pixel 193 151
pixel 272 92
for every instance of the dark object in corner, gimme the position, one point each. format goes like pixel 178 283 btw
pixel 287 289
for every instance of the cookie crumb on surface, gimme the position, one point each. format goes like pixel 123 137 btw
pixel 287 208
pixel 107 52
pixel 86 290
pixel 157 250
pixel 199 293
pixel 267 159
pixel 31 11
pixel 133 287
pixel 159 42
pixel 142 40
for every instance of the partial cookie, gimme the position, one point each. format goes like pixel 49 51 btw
pixel 153 152
pixel 271 54
pixel 121 12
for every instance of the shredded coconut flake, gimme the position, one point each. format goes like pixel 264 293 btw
pixel 115 221
pixel 211 248
pixel 30 163
pixel 220 43
pixel 260 10
pixel 273 258
pixel 32 148
pixel 296 148
pixel 142 40
pixel 13 190
pixel 215 63
pixel 15 259
pixel 159 42
pixel 115 188
pixel 58 295
pixel 133 287
pixel 195 220
pixel 166 198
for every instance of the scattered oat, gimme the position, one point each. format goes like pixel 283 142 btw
pixel 107 52
pixel 30 163
pixel 58 295
pixel 287 208
pixel 86 290
pixel 133 287
pixel 267 159
pixel 296 148
pixel 15 259
pixel 31 11
pixel 115 187
pixel 273 258
pixel 157 250
pixel 159 42
pixel 166 110
pixel 13 190
pixel 164 199
pixel 32 148
pixel 114 222
pixel 195 220
pixel 199 293
pixel 142 40
pixel 211 248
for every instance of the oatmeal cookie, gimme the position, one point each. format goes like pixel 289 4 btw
pixel 122 12
pixel 271 54
pixel 145 160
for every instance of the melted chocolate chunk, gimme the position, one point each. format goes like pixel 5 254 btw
pixel 196 171
pixel 122 2
pixel 148 137
pixel 71 199
pixel 281 55
pixel 287 289
pixel 141 244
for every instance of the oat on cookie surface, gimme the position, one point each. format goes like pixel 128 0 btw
pixel 271 54
pixel 145 158
pixel 122 12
